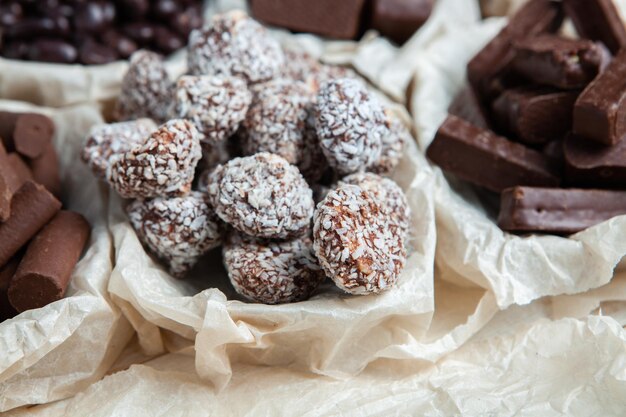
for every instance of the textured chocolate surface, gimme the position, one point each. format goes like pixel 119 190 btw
pixel 399 19
pixel 591 164
pixel 488 160
pixel 598 20
pixel 556 210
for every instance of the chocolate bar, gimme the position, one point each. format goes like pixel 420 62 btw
pixel 46 268
pixel 32 207
pixel 535 115
pixel 486 70
pixel 331 18
pixel 556 210
pixel 468 107
pixel 488 160
pixel 45 170
pixel 591 164
pixel 398 20
pixel 27 133
pixel 560 62
pixel 6 275
pixel 598 20
pixel 600 111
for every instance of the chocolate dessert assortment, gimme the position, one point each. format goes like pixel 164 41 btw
pixel 230 153
pixel 94 32
pixel 40 244
pixel 543 121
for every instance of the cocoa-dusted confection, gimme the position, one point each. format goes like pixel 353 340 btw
pixel 350 123
pixel 215 104
pixel 107 140
pixel 234 44
pixel 276 119
pixel 178 230
pixel 390 196
pixel 164 165
pixel 272 272
pixel 146 89
pixel 354 242
pixel 393 145
pixel 263 196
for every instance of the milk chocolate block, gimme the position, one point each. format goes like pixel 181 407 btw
pixel 400 19
pixel 330 18
pixel 600 111
pixel 21 170
pixel 560 62
pixel 486 69
pixel 32 207
pixel 6 275
pixel 488 160
pixel 45 170
pixel 591 164
pixel 557 210
pixel 598 20
pixel 535 115
pixel 27 133
pixel 468 107
pixel 45 271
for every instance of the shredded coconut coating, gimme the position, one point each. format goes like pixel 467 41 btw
pixel 163 166
pixel 215 104
pixel 277 118
pixel 354 242
pixel 106 140
pixel 146 89
pixel 178 230
pixel 393 147
pixel 350 123
pixel 272 272
pixel 263 196
pixel 390 196
pixel 234 44
pixel 299 65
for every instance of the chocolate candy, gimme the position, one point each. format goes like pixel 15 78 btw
pixel 490 161
pixel 560 62
pixel 555 210
pixel 400 19
pixel 45 170
pixel 331 18
pixel 32 207
pixel 7 185
pixel 597 20
pixel 6 275
pixel 21 170
pixel 44 272
pixel 486 70
pixel 468 107
pixel 27 133
pixel 535 115
pixel 600 111
pixel 591 164
pixel 52 50
pixel 94 53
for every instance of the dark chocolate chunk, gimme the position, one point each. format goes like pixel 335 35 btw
pixel 331 18
pixel 46 268
pixel 600 111
pixel 557 210
pixel 123 45
pixel 598 20
pixel 560 62
pixel 488 160
pixel 468 107
pixel 535 115
pixel 51 50
pixel 486 70
pixel 94 16
pixel 591 164
pixel 400 19
pixel 94 53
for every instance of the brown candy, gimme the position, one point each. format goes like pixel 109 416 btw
pixel 44 272
pixel 591 164
pixel 45 170
pixel 597 20
pixel 400 19
pixel 467 106
pixel 6 275
pixel 28 133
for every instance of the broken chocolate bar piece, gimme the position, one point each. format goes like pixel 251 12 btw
pixel 560 62
pixel 557 210
pixel 32 207
pixel 600 111
pixel 46 268
pixel 331 18
pixel 535 115
pixel 488 160
pixel 591 164
pixel 598 20
pixel 400 19
pixel 27 133
pixel 487 69
pixel 467 106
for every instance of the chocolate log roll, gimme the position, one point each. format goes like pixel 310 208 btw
pixel 6 275
pixel 490 161
pixel 400 19
pixel 600 111
pixel 32 207
pixel 591 164
pixel 557 210
pixel 27 133
pixel 12 177
pixel 45 170
pixel 45 271
pixel 598 20
pixel 21 170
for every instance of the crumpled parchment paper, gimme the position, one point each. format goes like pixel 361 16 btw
pixel 54 352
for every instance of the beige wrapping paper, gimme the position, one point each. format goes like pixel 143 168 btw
pixel 53 352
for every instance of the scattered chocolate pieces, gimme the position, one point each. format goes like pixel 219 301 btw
pixel 598 20
pixel 27 133
pixel 400 19
pixel 591 164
